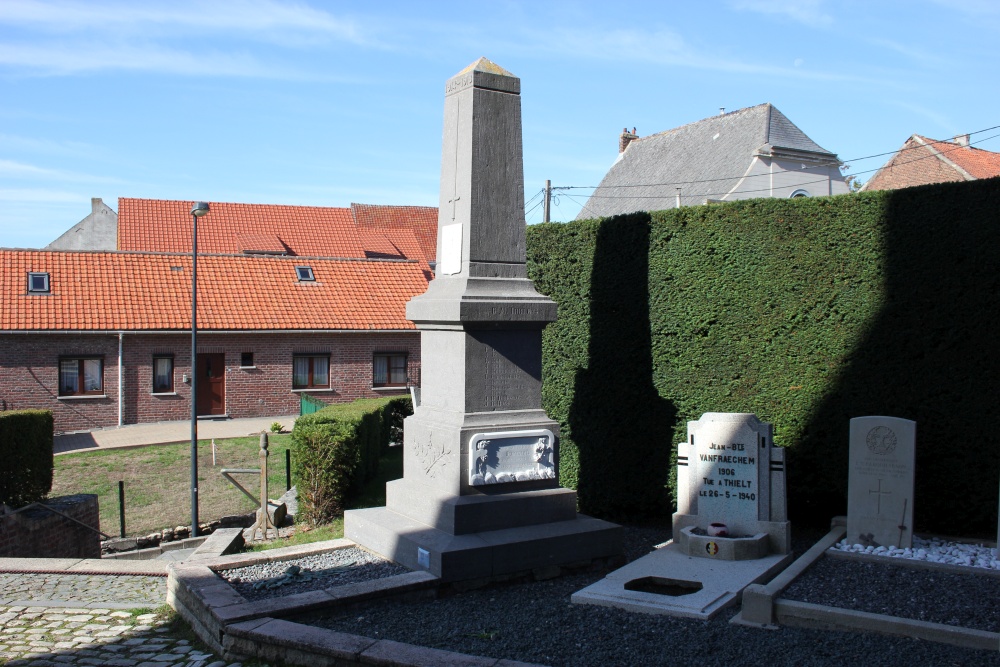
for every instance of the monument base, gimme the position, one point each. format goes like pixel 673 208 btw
pixel 777 537
pixel 486 554
pixel 722 548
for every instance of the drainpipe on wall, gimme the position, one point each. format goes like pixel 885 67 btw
pixel 121 394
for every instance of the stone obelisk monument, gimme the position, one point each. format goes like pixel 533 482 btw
pixel 480 495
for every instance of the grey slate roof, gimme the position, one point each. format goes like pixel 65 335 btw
pixel 706 159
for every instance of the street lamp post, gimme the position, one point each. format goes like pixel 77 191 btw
pixel 197 211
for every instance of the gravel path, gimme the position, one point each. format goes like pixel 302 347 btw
pixel 535 622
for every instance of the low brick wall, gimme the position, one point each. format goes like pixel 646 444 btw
pixel 39 533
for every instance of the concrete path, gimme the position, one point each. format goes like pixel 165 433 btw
pixel 157 433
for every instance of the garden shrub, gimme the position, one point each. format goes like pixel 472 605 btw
pixel 26 452
pixel 336 450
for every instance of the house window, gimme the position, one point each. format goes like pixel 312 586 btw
pixel 163 373
pixel 310 371
pixel 389 370
pixel 246 359
pixel 81 376
pixel 38 282
pixel 305 273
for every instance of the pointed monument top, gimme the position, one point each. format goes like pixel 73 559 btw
pixel 486 65
pixel 484 74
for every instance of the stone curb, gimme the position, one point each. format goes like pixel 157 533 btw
pixel 276 640
pixel 84 566
pixel 760 607
pixel 239 629
pixel 759 599
pixel 819 617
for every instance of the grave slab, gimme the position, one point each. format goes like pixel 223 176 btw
pixel 721 582
pixel 880 481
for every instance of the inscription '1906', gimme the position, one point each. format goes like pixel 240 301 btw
pixel 724 475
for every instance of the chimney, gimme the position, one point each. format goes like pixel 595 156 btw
pixel 722 111
pixel 95 204
pixel 962 140
pixel 626 138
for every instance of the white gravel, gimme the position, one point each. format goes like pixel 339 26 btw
pixel 932 550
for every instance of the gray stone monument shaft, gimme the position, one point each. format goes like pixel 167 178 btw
pixel 480 493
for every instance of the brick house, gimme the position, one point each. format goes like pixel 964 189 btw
pixel 922 161
pixel 102 338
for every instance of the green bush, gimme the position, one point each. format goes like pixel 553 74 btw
pixel 336 450
pixel 807 312
pixel 26 452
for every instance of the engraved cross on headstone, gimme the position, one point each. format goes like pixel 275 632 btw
pixel 879 493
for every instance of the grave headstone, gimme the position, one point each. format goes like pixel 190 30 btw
pixel 480 495
pixel 731 515
pixel 730 473
pixel 880 481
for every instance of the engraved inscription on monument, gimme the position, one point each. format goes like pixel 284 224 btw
pixel 511 370
pixel 511 456
pixel 727 474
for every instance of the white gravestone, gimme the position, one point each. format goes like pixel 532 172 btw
pixel 729 472
pixel 880 481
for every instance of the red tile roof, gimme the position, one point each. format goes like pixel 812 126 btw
pixel 126 291
pixel 420 221
pixel 976 161
pixel 156 225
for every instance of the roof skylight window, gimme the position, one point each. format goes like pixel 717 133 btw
pixel 38 283
pixel 305 273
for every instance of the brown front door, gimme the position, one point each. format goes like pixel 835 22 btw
pixel 211 384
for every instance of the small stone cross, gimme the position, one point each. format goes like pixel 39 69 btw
pixel 879 493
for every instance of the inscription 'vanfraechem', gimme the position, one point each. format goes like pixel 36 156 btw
pixel 511 456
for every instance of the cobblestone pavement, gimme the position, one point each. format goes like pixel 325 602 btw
pixel 81 590
pixel 83 619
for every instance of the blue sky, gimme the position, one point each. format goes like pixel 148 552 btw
pixel 328 103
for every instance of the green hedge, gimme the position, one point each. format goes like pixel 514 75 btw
pixel 26 452
pixel 807 312
pixel 336 450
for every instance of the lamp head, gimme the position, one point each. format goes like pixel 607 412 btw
pixel 199 209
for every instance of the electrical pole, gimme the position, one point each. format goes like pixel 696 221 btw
pixel 548 200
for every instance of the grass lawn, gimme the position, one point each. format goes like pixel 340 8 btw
pixel 158 481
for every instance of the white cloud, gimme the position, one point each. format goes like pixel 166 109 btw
pixel 919 55
pixel 185 38
pixel 262 17
pixel 36 195
pixel 806 12
pixel 65 59
pixel 11 169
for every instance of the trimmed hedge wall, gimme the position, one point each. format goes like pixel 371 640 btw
pixel 26 452
pixel 336 450
pixel 807 312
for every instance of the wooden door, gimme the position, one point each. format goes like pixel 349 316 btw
pixel 211 384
